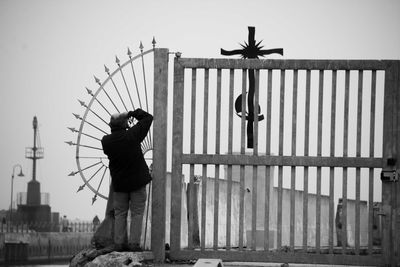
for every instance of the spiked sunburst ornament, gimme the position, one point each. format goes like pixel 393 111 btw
pixel 250 50
pixel 126 88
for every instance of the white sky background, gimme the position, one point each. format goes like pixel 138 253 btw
pixel 50 50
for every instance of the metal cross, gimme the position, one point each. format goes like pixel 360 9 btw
pixel 250 50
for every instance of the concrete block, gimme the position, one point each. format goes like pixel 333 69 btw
pixel 209 263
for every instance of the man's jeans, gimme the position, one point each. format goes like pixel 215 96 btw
pixel 135 201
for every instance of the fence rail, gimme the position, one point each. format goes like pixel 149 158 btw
pixel 24 247
pixel 28 227
pixel 48 252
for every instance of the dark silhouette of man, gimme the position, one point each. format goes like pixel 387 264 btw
pixel 129 174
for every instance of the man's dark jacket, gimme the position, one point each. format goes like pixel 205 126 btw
pixel 128 168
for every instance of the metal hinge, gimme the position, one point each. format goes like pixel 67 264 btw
pixel 390 175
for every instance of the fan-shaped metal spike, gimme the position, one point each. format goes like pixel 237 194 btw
pixel 141 46
pixel 73 129
pixel 72 174
pixel 107 70
pixel 89 91
pixel 70 143
pixel 81 188
pixel 94 199
pixel 117 60
pixel 82 103
pixel 129 52
pixel 154 42
pixel 97 80
pixel 77 116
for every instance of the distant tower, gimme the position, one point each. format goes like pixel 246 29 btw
pixel 34 153
pixel 33 210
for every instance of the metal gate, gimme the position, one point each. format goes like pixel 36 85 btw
pixel 310 189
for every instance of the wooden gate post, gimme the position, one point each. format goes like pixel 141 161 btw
pixel 391 149
pixel 159 153
pixel 395 219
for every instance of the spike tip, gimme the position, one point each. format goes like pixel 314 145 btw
pixel 81 188
pixel 89 91
pixel 94 199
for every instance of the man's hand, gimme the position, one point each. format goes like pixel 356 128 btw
pixel 138 114
pixel 131 114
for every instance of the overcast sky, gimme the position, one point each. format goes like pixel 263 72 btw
pixel 50 50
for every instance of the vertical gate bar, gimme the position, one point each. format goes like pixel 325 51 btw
pixel 241 207
pixel 345 148
pixel 370 210
pixel 191 208
pixel 371 170
pixel 293 168
pixel 332 169
pixel 177 144
pixel 280 168
pixel 216 208
pixel 255 168
pixel 319 154
pixel 268 168
pixel 204 171
pixel 306 149
pixel 396 218
pixel 389 151
pixel 217 151
pixel 230 144
pixel 279 219
pixel 242 152
pixel 358 154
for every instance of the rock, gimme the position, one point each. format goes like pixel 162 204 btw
pixel 88 255
pixel 83 257
pixel 117 259
pixel 106 257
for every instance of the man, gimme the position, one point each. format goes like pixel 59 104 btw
pixel 96 223
pixel 64 223
pixel 129 174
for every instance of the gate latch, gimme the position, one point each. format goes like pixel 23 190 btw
pixel 390 175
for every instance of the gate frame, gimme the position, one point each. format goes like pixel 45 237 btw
pixel 391 146
pixel 391 149
pixel 160 106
